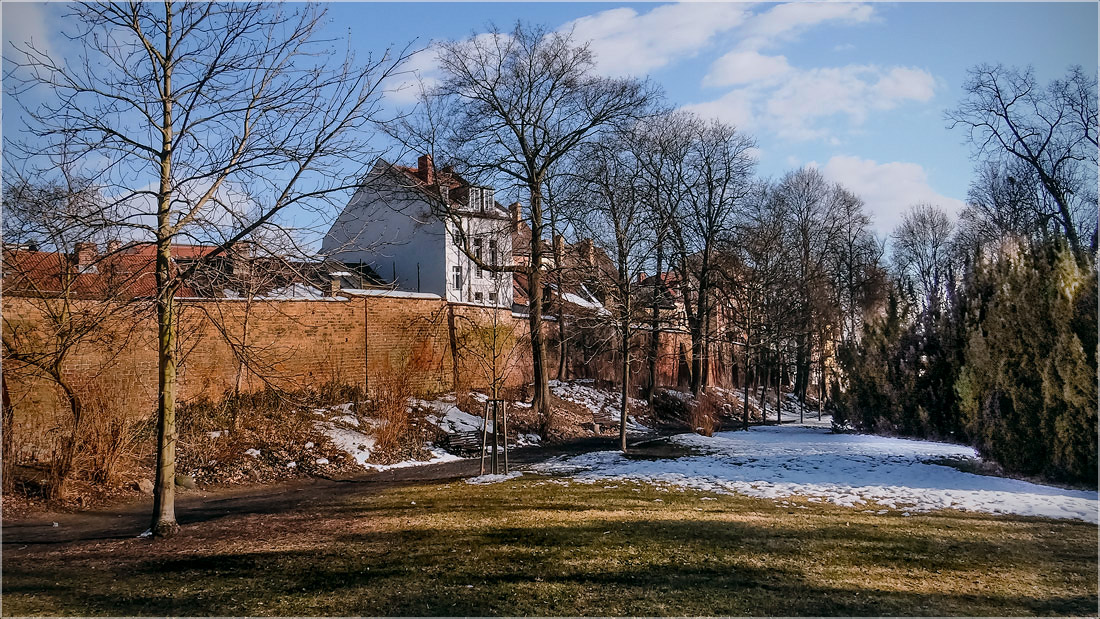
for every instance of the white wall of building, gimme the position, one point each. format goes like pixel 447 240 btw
pixel 390 227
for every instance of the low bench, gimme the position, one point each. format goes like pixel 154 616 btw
pixel 466 441
pixel 604 419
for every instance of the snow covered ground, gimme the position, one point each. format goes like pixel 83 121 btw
pixel 855 470
pixel 582 391
pixel 343 428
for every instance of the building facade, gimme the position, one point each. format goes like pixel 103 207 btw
pixel 413 226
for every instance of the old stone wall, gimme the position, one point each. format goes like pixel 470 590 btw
pixel 233 344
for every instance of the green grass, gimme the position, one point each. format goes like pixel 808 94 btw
pixel 533 546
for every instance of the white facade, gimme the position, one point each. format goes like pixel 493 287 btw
pixel 389 225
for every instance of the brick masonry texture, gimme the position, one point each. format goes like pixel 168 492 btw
pixel 228 344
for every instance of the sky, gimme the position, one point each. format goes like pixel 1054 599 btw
pixel 857 90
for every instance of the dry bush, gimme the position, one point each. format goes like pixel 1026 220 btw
pixel 399 430
pixel 112 439
pixel 282 426
pixel 670 407
pixel 703 414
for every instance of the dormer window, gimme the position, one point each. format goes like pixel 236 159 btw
pixel 445 194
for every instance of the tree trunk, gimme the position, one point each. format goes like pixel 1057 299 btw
pixel 62 465
pixel 696 356
pixel 541 400
pixel 164 489
pixel 7 432
pixel 655 327
pixel 164 495
pixel 745 383
pixel 624 405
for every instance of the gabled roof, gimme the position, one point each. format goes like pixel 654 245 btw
pixel 429 184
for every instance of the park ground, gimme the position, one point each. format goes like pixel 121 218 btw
pixel 674 528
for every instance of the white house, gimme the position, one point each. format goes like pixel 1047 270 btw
pixel 393 224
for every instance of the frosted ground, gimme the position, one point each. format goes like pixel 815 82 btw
pixel 873 472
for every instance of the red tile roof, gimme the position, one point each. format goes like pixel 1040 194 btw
pixel 115 276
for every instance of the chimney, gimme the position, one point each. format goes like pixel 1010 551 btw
pixel 333 287
pixel 113 246
pixel 86 254
pixel 514 209
pixel 424 169
pixel 587 251
pixel 641 277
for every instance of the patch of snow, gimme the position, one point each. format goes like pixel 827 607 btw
pixel 585 303
pixel 294 291
pixel 354 443
pixel 399 294
pixel 218 433
pixel 309 445
pixel 350 420
pixel 438 455
pixel 291 465
pixel 844 469
pixel 255 453
pixel 528 439
pixel 450 418
pixel 492 479
pixel 321 461
pixel 595 400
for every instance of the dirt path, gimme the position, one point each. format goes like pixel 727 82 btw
pixel 203 505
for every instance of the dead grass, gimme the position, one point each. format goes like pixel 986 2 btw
pixel 535 546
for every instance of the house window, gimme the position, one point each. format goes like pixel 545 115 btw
pixel 477 252
pixel 493 298
pixel 477 297
pixel 457 275
pixel 493 253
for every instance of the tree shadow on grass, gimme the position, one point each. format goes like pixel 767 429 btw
pixel 656 567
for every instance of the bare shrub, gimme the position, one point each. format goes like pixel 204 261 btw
pixel 703 414
pixel 110 441
pixel 397 434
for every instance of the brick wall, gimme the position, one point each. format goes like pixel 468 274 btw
pixel 291 344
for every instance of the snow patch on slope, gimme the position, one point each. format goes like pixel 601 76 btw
pixel 844 469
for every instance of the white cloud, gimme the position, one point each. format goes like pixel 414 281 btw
pixel 794 102
pixel 786 21
pixel 420 72
pixel 26 22
pixel 888 189
pixel 901 83
pixel 742 67
pixel 628 43
pixel 797 103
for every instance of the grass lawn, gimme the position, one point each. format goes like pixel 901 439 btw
pixel 535 546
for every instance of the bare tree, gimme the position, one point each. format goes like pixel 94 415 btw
pixel 1053 131
pixel 179 109
pixel 717 174
pixel 660 147
pixel 511 105
pixel 614 214
pixel 82 298
pixel 922 254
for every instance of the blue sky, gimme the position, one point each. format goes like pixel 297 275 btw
pixel 859 90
